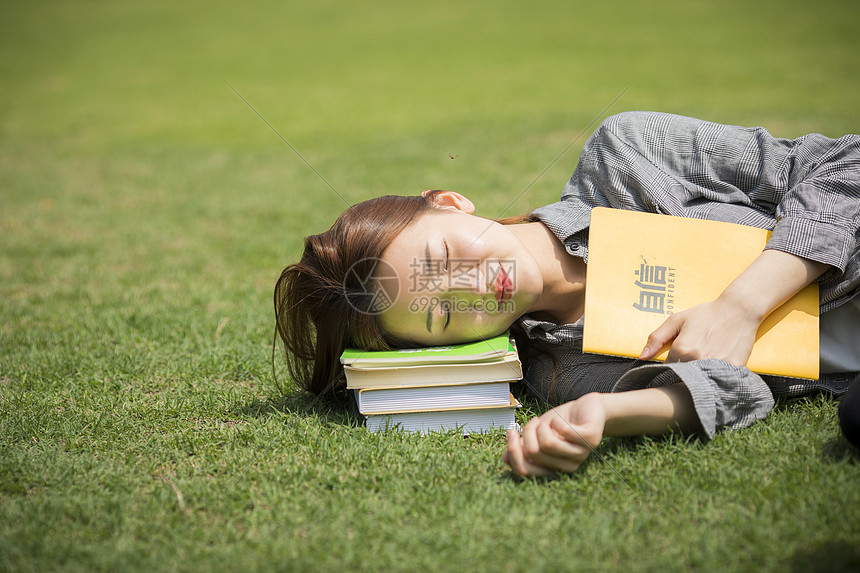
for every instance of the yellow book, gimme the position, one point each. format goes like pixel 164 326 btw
pixel 642 268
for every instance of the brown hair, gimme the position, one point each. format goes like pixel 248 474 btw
pixel 315 314
pixel 321 306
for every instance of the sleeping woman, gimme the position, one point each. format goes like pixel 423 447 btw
pixel 424 270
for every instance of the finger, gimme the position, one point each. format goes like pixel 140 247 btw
pixel 530 445
pixel 662 336
pixel 580 439
pixel 516 458
pixel 559 438
pixel 556 452
pixel 543 447
pixel 529 435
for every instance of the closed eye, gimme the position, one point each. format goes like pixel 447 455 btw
pixel 448 310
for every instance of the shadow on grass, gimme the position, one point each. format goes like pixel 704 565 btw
pixel 816 399
pixel 834 556
pixel 579 474
pixel 614 455
pixel 328 409
pixel 838 450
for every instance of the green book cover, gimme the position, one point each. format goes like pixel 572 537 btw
pixel 480 351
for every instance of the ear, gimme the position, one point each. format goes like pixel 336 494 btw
pixel 449 199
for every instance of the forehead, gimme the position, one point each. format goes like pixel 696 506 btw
pixel 409 247
pixel 427 223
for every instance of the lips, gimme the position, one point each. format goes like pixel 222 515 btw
pixel 504 285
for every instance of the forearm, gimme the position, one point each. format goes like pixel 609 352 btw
pixel 650 411
pixel 770 280
pixel 563 437
pixel 726 327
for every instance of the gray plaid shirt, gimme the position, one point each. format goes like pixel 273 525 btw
pixel 807 191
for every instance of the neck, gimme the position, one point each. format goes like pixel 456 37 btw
pixel 563 298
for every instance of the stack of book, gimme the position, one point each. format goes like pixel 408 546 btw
pixel 463 387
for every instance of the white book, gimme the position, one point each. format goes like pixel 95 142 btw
pixel 507 369
pixel 466 420
pixel 404 399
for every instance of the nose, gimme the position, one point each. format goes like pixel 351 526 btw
pixel 467 277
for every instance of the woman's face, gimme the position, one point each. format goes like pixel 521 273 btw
pixel 459 278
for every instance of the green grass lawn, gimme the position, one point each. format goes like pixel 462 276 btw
pixel 145 212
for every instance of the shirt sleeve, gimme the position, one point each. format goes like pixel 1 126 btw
pixel 807 191
pixel 819 216
pixel 557 371
pixel 724 395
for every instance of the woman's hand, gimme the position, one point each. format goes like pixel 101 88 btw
pixel 562 438
pixel 718 329
pixel 559 440
pixel 726 327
